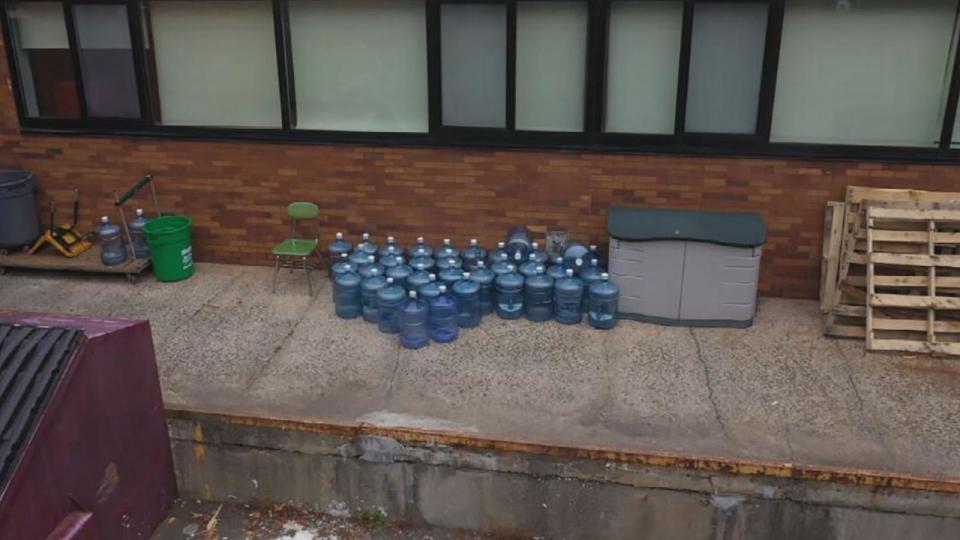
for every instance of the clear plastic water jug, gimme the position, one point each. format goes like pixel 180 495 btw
pixel 603 304
pixel 472 255
pixel 503 266
pixel 538 296
pixel 447 251
pixel 449 276
pixel 509 289
pixel 400 273
pixel 423 262
pixel 529 268
pixel 538 254
pixel 417 279
pixel 370 267
pixel 342 265
pixel 484 277
pixel 414 318
pixel 497 254
pixel 443 317
pixel 113 250
pixel 389 261
pixel 389 299
pixel 575 251
pixel 420 249
pixel 368 295
pixel 467 292
pixel 449 262
pixel 390 249
pixel 338 247
pixel 140 247
pixel 589 274
pixel 568 299
pixel 359 258
pixel 557 270
pixel 429 290
pixel 367 245
pixel 519 240
pixel 346 295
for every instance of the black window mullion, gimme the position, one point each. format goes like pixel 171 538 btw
pixel 281 34
pixel 683 77
pixel 434 90
pixel 139 60
pixel 598 28
pixel 511 105
pixel 75 56
pixel 14 66
pixel 768 77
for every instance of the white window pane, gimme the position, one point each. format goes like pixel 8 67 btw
pixel 873 74
pixel 551 65
pixel 216 63
pixel 360 65
pixel 642 66
pixel 726 63
pixel 474 64
pixel 106 60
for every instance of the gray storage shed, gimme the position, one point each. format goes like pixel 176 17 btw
pixel 688 268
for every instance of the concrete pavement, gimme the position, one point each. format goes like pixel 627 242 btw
pixel 778 391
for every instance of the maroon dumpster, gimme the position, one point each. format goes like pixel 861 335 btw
pixel 84 451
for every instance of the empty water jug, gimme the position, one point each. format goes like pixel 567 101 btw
pixel 472 255
pixel 538 254
pixel 429 290
pixel 503 266
pixel 140 247
pixel 113 250
pixel 338 247
pixel 467 292
pixel 423 262
pixel 538 296
pixel 575 251
pixel 343 266
pixel 346 295
pixel 417 279
pixel 390 249
pixel 509 289
pixel 389 299
pixel 568 299
pixel 449 262
pixel 370 267
pixel 414 315
pixel 497 254
pixel 420 249
pixel 557 270
pixel 368 295
pixel 359 258
pixel 366 245
pixel 400 273
pixel 590 274
pixel 447 251
pixel 529 268
pixel 443 317
pixel 484 277
pixel 389 261
pixel 519 240
pixel 449 276
pixel 603 304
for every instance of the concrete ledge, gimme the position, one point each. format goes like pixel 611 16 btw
pixel 454 480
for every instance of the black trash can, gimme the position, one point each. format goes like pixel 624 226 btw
pixel 19 225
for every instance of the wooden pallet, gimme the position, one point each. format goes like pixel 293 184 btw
pixel 922 285
pixel 86 262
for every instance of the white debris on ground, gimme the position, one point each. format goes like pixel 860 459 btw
pixel 301 533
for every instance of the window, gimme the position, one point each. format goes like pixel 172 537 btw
pixel 42 52
pixel 106 60
pixel 551 65
pixel 726 65
pixel 473 64
pixel 873 73
pixel 216 63
pixel 642 60
pixel 360 65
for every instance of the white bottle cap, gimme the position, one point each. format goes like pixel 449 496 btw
pixel 473 241
pixel 442 289
pixel 104 219
pixel 139 212
pixel 466 275
pixel 339 236
pixel 433 277
pixel 500 245
pixel 532 257
pixel 539 269
pixel 604 276
pixel 370 258
pixel 412 294
pixel 569 272
pixel 594 262
pixel 419 239
pixel 344 256
pixel 366 236
pixel 399 259
pixel 559 260
pixel 579 262
pixel 446 241
pixel 593 247
pixel 480 264
pixel 374 271
pixel 535 246
pixel 511 268
pixel 517 256
pixel 389 239
pixel 389 281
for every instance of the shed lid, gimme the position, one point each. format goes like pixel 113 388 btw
pixel 743 229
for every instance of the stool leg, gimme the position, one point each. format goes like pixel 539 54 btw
pixel 306 271
pixel 276 270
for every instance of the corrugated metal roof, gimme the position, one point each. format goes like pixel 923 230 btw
pixel 31 360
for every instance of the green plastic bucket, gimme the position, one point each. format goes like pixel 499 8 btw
pixel 170 248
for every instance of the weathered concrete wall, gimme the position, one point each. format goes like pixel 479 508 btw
pixel 538 495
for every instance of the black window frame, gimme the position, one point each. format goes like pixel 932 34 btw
pixel 592 138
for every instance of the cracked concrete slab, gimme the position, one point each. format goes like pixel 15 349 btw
pixel 778 391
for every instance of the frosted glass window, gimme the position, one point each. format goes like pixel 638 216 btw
pixel 551 65
pixel 872 74
pixel 106 60
pixel 44 63
pixel 473 64
pixel 360 65
pixel 642 66
pixel 726 63
pixel 216 63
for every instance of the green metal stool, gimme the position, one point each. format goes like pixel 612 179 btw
pixel 294 252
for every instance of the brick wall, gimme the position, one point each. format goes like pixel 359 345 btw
pixel 237 192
